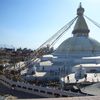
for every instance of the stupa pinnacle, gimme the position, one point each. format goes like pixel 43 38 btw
pixel 80 28
pixel 80 10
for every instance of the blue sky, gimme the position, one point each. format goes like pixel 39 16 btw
pixel 29 23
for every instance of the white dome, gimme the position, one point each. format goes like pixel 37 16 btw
pixel 78 44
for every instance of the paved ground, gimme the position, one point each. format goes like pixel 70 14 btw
pixel 92 89
pixel 70 98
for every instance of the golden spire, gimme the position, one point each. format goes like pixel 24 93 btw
pixel 80 28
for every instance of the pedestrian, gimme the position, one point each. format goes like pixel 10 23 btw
pixel 85 76
pixel 68 80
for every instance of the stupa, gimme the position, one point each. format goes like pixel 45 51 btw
pixel 76 50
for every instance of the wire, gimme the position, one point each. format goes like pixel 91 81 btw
pixel 59 33
pixel 63 31
pixel 95 23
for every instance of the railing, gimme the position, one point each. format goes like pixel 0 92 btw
pixel 38 90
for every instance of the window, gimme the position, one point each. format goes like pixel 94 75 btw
pixel 42 91
pixel 13 85
pixel 24 87
pixel 93 70
pixel 36 90
pixel 29 88
pixel 49 92
pixel 19 86
pixel 57 95
pixel 64 96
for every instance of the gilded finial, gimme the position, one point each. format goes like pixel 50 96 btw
pixel 80 10
pixel 80 6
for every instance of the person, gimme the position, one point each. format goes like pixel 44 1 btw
pixel 85 76
pixel 68 79
pixel 76 80
pixel 95 75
